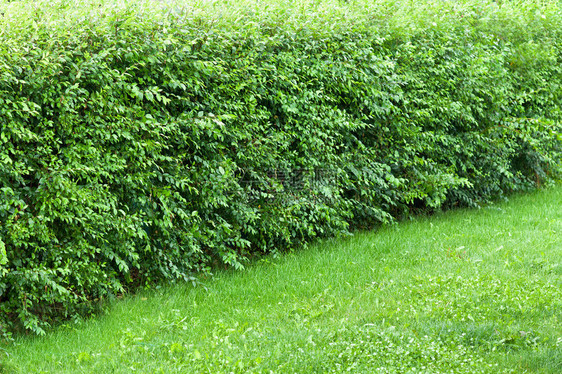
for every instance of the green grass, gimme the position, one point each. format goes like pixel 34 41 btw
pixel 469 291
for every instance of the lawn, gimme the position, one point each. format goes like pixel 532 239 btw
pixel 468 291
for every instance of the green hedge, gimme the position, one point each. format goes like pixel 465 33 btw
pixel 150 141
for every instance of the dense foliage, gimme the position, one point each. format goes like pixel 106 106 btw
pixel 149 141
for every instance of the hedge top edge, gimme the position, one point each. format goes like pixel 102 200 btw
pixel 21 18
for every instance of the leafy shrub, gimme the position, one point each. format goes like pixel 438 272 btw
pixel 148 141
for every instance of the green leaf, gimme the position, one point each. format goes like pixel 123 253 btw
pixel 3 255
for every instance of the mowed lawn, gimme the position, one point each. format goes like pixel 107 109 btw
pixel 468 291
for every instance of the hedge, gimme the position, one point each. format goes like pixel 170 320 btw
pixel 143 142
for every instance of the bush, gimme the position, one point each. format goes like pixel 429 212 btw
pixel 149 141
